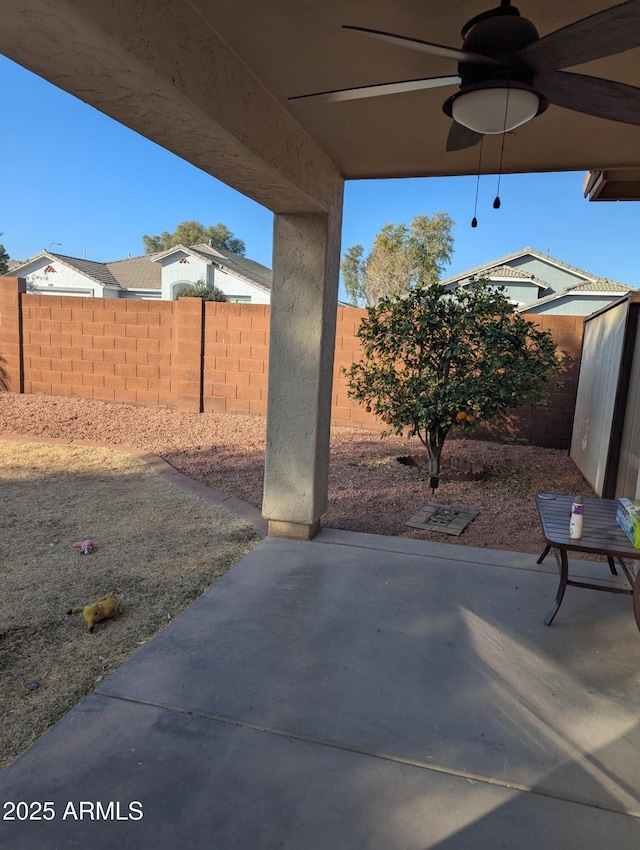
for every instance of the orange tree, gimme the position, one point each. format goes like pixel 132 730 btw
pixel 435 357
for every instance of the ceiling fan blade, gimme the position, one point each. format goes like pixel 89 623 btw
pixel 425 46
pixel 603 34
pixel 461 137
pixel 591 95
pixel 379 89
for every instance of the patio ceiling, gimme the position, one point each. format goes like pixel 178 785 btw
pixel 299 47
pixel 293 47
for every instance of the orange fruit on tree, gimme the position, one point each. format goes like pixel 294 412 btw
pixel 461 416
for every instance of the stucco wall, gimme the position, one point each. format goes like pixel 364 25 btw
pixel 521 293
pixel 61 279
pixel 212 356
pixel 557 277
pixel 235 287
pixel 577 305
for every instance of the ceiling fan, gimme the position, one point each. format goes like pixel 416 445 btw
pixel 507 74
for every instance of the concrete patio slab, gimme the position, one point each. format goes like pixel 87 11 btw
pixel 359 691
pixel 201 783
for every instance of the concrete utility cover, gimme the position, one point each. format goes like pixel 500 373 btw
pixel 444 519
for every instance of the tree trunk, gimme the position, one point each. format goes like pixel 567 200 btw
pixel 434 450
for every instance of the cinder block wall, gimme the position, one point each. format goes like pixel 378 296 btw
pixel 197 356
pixel 236 358
pixel 12 290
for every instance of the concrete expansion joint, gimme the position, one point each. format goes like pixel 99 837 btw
pixel 377 754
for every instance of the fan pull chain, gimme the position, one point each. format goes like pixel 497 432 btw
pixel 474 220
pixel 496 200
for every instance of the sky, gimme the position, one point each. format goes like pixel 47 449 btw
pixel 78 183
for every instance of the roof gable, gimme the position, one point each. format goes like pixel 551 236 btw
pixel 497 272
pixel 96 272
pixel 248 270
pixel 508 259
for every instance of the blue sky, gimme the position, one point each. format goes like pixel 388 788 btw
pixel 71 175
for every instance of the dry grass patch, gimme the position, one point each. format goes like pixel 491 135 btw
pixel 156 548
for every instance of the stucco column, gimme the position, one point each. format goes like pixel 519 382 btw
pixel 306 260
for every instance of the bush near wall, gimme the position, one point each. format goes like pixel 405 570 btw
pixel 211 356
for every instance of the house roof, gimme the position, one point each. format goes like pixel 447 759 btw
pixel 508 271
pixel 602 286
pixel 137 272
pixel 248 269
pixel 516 255
pixel 98 272
pixel 497 271
pixel 144 272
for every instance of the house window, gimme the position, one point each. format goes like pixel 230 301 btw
pixel 239 299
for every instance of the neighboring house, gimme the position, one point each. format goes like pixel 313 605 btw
pixel 536 283
pixel 152 276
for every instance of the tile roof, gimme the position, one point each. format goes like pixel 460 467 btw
pixel 97 271
pixel 508 271
pixel 602 286
pixel 493 272
pixel 137 272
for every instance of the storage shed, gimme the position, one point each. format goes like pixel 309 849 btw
pixel 605 442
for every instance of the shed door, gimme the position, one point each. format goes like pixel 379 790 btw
pixel 597 389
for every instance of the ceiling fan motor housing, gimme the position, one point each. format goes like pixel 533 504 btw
pixel 502 38
pixel 499 36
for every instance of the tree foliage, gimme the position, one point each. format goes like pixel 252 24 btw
pixel 433 358
pixel 4 259
pixel 194 233
pixel 403 256
pixel 201 289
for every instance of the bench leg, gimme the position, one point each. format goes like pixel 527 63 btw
pixel 612 566
pixel 564 576
pixel 547 549
pixel 636 599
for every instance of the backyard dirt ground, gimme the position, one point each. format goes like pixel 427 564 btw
pixel 157 547
pixel 369 490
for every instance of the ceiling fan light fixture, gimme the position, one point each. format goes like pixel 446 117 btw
pixel 491 110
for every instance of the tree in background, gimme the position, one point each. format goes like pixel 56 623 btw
pixel 194 233
pixel 201 289
pixel 403 256
pixel 434 358
pixel 4 259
